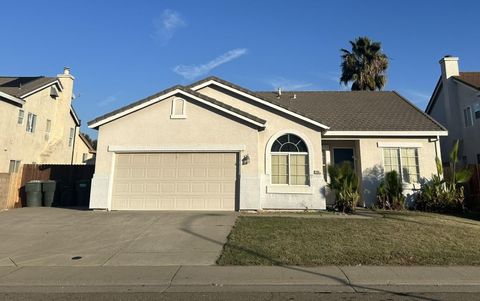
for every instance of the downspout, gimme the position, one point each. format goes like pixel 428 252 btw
pixel 73 144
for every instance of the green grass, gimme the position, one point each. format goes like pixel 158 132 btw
pixel 393 238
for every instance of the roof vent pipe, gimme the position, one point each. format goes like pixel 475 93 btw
pixel 294 96
pixel 279 92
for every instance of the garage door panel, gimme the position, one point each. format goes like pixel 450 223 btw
pixel 175 181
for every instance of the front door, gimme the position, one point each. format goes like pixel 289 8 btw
pixel 341 155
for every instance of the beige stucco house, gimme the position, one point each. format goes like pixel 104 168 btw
pixel 216 146
pixel 455 103
pixel 37 121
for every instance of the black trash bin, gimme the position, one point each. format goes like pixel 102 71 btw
pixel 33 190
pixel 66 198
pixel 82 189
pixel 48 188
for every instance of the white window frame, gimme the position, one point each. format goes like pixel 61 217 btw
pixel 467 111
pixel 173 115
pixel 48 129
pixel 16 166
pixel 31 122
pixel 21 116
pixel 288 167
pixel 476 108
pixel 400 172
pixel 84 157
pixel 71 136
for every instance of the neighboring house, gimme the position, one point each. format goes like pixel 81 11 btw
pixel 455 103
pixel 216 146
pixel 37 121
pixel 84 152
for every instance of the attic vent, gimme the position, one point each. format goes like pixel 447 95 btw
pixel 53 92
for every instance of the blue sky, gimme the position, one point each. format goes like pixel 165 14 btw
pixel 122 51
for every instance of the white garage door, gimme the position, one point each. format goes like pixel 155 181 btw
pixel 174 181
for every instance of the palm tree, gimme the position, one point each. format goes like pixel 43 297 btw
pixel 364 65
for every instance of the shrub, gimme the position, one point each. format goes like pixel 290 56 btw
pixel 390 192
pixel 444 194
pixel 344 182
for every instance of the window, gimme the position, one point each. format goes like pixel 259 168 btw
pixel 14 166
pixel 404 161
pixel 31 122
pixel 178 108
pixel 290 161
pixel 21 115
pixel 467 115
pixel 84 157
pixel 48 128
pixel 476 111
pixel 70 137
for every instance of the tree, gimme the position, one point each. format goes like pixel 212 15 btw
pixel 364 65
pixel 92 142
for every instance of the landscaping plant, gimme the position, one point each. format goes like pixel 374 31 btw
pixel 444 193
pixel 344 182
pixel 390 192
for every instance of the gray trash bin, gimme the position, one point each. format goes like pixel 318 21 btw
pixel 33 190
pixel 48 188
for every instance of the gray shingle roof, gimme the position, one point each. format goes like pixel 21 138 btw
pixel 187 90
pixel 18 86
pixel 357 110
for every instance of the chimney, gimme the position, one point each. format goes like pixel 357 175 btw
pixel 449 66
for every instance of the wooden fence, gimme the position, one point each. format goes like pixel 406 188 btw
pixel 472 189
pixel 66 177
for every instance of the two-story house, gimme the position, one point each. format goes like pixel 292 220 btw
pixel 455 103
pixel 38 123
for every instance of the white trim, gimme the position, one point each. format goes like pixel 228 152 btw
pixel 12 98
pixel 177 148
pixel 266 103
pixel 399 144
pixel 75 117
pixel 110 183
pixel 169 94
pixel 43 87
pixel 184 107
pixel 387 133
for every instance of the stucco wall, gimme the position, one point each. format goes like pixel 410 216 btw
pixel 80 149
pixel 371 160
pixel 18 144
pixel 448 110
pixel 153 127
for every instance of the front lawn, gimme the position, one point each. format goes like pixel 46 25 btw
pixel 393 238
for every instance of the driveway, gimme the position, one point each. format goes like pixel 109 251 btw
pixel 66 237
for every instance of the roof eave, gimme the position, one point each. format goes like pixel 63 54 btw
pixel 11 98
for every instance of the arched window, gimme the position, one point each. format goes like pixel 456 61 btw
pixel 178 108
pixel 290 161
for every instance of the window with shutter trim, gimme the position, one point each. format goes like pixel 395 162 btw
pixel 467 116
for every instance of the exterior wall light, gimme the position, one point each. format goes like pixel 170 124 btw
pixel 246 160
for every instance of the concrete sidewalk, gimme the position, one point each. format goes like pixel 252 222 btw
pixel 239 279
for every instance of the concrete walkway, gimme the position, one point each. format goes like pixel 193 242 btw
pixel 241 279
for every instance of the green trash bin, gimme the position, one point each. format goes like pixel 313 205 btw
pixel 33 190
pixel 82 189
pixel 48 188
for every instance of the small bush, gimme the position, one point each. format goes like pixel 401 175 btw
pixel 390 192
pixel 444 195
pixel 344 182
